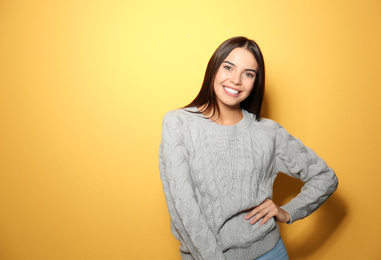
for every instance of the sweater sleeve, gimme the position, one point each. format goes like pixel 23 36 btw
pixel 186 215
pixel 299 161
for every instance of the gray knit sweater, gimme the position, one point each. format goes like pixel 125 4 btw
pixel 212 173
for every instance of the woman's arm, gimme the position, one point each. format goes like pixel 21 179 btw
pixel 299 161
pixel 186 215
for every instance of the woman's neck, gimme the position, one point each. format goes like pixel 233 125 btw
pixel 226 115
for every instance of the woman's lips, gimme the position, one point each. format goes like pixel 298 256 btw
pixel 231 91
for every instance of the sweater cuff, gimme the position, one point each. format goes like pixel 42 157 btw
pixel 293 209
pixel 185 256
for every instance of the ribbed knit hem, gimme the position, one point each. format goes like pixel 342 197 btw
pixel 293 209
pixel 249 253
pixel 257 249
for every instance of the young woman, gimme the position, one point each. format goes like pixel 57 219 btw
pixel 219 160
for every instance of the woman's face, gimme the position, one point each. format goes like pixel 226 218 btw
pixel 235 78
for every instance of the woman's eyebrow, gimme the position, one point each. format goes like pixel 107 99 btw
pixel 228 62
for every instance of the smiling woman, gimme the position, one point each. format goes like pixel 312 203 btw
pixel 234 52
pixel 219 160
pixel 235 79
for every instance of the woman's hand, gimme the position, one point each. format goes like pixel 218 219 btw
pixel 267 210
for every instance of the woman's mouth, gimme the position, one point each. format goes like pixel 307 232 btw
pixel 231 92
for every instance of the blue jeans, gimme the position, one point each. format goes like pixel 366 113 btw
pixel 279 252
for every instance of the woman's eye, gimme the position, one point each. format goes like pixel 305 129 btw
pixel 227 67
pixel 250 75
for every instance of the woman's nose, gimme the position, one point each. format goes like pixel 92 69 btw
pixel 236 78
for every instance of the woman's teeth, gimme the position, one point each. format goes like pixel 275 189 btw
pixel 231 90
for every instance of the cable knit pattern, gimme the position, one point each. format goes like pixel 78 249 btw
pixel 212 173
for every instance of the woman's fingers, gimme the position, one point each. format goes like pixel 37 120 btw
pixel 271 213
pixel 258 212
pixel 267 210
pixel 257 209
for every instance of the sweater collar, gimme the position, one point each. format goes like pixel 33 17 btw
pixel 224 129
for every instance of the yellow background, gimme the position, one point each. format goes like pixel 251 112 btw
pixel 84 86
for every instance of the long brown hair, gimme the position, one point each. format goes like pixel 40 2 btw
pixel 207 98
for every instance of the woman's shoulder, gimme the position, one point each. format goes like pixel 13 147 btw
pixel 266 123
pixel 181 116
pixel 274 129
